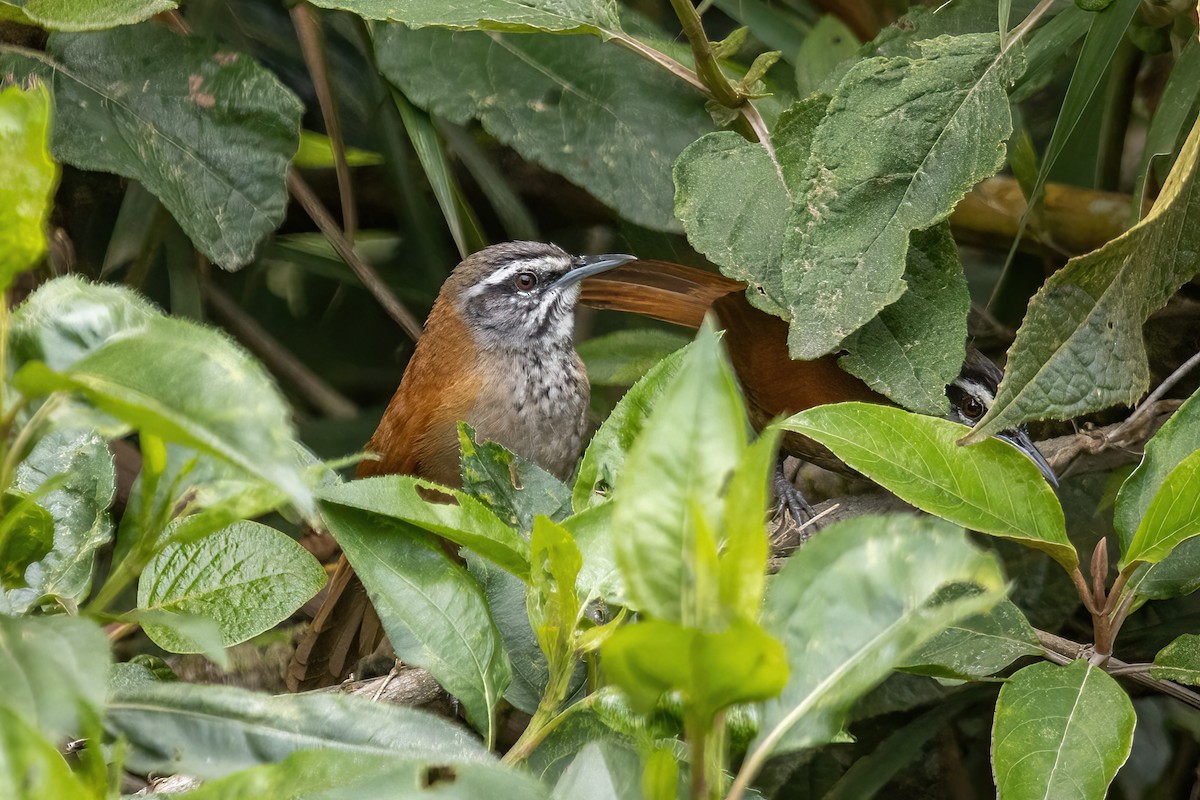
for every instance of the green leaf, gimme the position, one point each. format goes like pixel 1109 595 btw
pixel 524 16
pixel 594 113
pixel 89 15
pixel 326 775
pixel 606 453
pixel 713 670
pixel 1179 661
pixel 316 152
pixel 599 577
pixel 247 578
pixel 1177 101
pixel 54 671
pixel 68 318
pixel 26 535
pixel 601 771
pixel 31 767
pixel 1173 515
pixel 81 464
pixel 978 646
pixel 668 495
pixel 743 563
pixel 622 358
pixel 210 731
pixel 1177 439
pixel 1080 347
pixel 916 346
pixel 433 611
pixel 29 181
pixel 990 487
pixel 1060 732
pixel 904 139
pixel 828 44
pixel 173 379
pixel 208 131
pixel 468 522
pixel 884 573
pixel 553 604
pixel 512 487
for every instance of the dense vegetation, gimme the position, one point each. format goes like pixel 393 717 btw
pixel 888 180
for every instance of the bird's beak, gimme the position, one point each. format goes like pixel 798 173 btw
pixel 586 266
pixel 1019 439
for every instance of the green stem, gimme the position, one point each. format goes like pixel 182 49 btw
pixel 699 738
pixel 541 726
pixel 12 456
pixel 707 67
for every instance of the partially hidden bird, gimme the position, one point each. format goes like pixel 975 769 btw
pixel 773 383
pixel 497 352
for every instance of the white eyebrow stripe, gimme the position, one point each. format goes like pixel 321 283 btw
pixel 976 390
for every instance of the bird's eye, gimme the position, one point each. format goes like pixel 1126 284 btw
pixel 972 409
pixel 525 281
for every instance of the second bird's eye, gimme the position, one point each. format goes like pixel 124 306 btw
pixel 525 281
pixel 972 408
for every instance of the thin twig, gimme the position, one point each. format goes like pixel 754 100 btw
pixel 1018 32
pixel 1163 388
pixel 279 360
pixel 1064 651
pixel 305 196
pixel 663 60
pixel 312 45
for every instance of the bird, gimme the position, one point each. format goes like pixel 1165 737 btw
pixel 497 352
pixel 774 384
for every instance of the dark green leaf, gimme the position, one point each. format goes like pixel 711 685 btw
pixel 978 646
pixel 556 16
pixel 621 358
pixel 1175 105
pixel 433 611
pixel 1179 661
pixel 594 113
pixel 605 455
pixel 29 181
pixel 247 578
pixel 78 505
pixel 54 672
pixel 903 140
pixel 828 44
pixel 884 573
pixel 514 488
pixel 210 731
pixel 208 131
pixel 468 522
pixel 989 487
pixel 174 379
pixel 1080 347
pixel 667 501
pixel 1060 732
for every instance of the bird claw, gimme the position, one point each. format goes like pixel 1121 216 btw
pixel 790 499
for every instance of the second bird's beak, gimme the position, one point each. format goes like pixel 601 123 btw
pixel 1019 439
pixel 586 266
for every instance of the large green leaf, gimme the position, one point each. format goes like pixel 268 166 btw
pixel 208 131
pixel 1080 347
pixel 175 380
pixel 31 767
pixel 1060 732
pixel 594 113
pixel 433 611
pixel 514 488
pixel 30 177
pixel 978 646
pixel 902 141
pixel 329 775
pixel 54 670
pixel 601 771
pixel 210 731
pixel 556 16
pixel 1179 661
pixel 606 453
pixel 989 487
pixel 883 573
pixel 1177 439
pixel 89 15
pixel 1173 515
pixel 247 578
pixel 668 497
pixel 82 466
pixel 466 522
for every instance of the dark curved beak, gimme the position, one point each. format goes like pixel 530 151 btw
pixel 586 266
pixel 1019 439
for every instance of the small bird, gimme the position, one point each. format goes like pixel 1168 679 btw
pixel 498 352
pixel 775 385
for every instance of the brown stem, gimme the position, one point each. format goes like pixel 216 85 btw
pixel 1119 585
pixel 312 45
pixel 1085 593
pixel 707 67
pixel 1064 651
pixel 308 199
